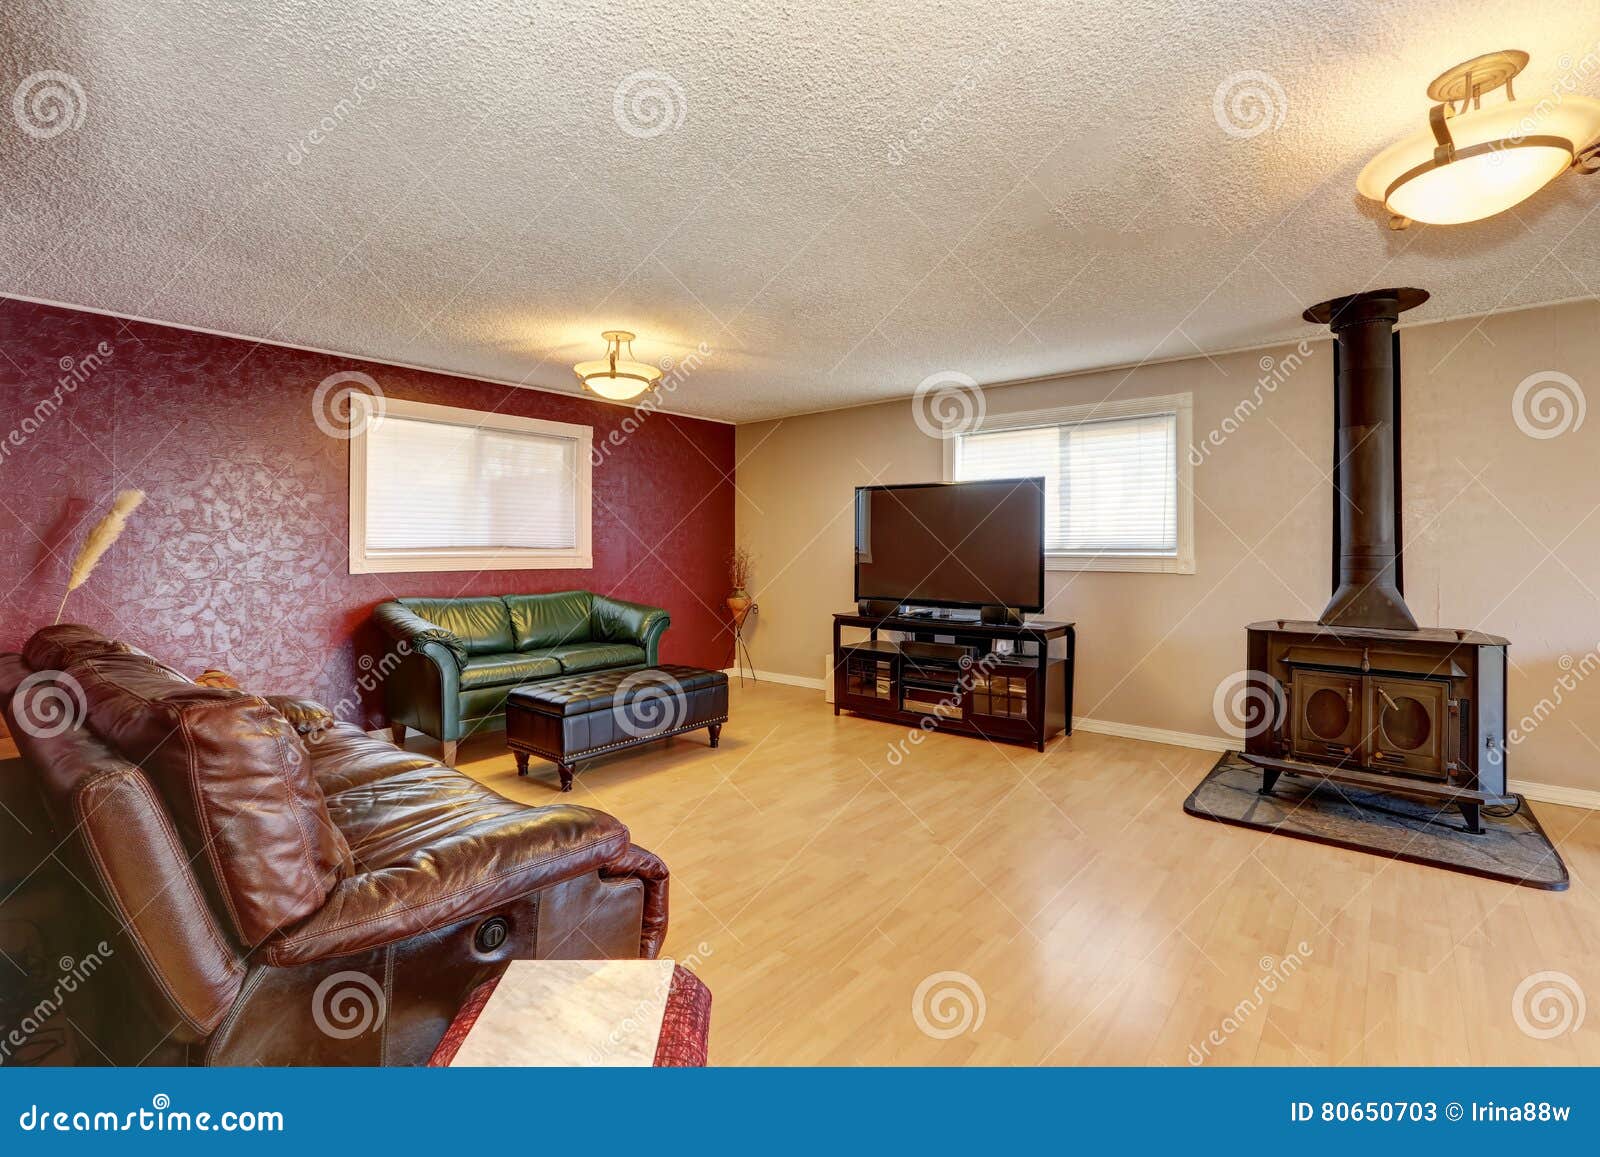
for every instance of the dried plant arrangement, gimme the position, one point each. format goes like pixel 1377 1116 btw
pixel 100 540
pixel 739 564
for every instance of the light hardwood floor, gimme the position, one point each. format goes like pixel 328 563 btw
pixel 818 879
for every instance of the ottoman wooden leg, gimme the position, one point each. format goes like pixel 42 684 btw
pixel 398 730
pixel 715 731
pixel 566 775
pixel 522 763
pixel 451 746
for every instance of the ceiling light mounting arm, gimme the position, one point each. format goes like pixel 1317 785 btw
pixel 1437 121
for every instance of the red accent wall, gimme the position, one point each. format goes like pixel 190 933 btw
pixel 239 557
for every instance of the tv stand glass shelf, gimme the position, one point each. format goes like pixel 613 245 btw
pixel 1008 682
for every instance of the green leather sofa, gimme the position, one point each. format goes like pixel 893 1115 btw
pixel 461 656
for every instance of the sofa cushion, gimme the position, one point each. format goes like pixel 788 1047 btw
pixel 508 668
pixel 483 624
pixel 596 656
pixel 549 620
pixel 237 780
pixel 388 819
pixel 346 756
pixel 434 847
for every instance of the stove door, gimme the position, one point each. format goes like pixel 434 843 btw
pixel 1326 716
pixel 1409 725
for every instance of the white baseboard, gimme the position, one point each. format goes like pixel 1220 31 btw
pixel 1154 734
pixel 778 677
pixel 1555 793
pixel 1538 792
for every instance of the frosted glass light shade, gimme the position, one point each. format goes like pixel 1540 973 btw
pixel 617 378
pixel 628 380
pixel 1504 154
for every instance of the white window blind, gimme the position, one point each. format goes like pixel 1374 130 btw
pixel 442 486
pixel 1111 485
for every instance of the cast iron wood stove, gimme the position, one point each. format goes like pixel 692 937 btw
pixel 1363 696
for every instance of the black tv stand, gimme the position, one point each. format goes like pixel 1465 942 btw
pixel 1006 682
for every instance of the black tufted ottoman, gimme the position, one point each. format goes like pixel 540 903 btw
pixel 580 716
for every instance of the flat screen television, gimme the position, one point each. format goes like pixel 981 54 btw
pixel 952 544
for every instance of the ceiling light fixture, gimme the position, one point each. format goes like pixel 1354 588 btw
pixel 1472 162
pixel 617 378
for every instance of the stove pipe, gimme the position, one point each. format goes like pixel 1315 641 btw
pixel 1367 594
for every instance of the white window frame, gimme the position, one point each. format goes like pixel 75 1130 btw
pixel 1181 561
pixel 367 410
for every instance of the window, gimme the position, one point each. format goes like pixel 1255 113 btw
pixel 1117 490
pixel 436 488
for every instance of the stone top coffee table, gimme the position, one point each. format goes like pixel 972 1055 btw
pixel 616 1013
pixel 578 717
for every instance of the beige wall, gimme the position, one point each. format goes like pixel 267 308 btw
pixel 1501 529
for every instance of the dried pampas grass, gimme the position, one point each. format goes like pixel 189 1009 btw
pixel 94 547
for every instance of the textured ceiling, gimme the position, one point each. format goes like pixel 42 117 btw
pixel 837 198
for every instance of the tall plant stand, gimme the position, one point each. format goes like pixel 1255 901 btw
pixel 741 649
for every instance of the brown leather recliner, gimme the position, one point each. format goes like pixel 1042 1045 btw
pixel 281 888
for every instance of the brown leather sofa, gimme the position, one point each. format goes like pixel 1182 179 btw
pixel 280 888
